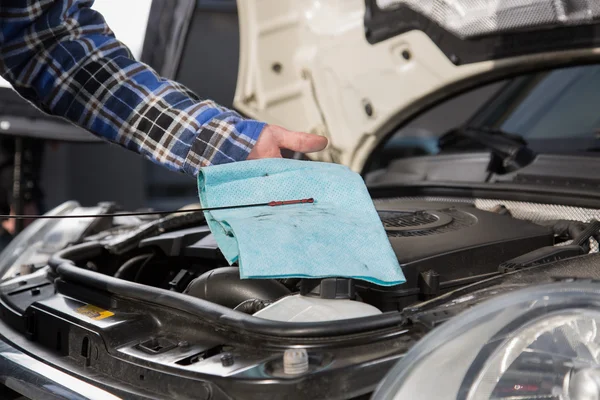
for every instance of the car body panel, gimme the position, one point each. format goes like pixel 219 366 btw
pixel 308 66
pixel 37 380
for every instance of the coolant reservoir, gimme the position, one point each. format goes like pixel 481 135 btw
pixel 298 308
pixel 328 299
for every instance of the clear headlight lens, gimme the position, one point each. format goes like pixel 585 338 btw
pixel 540 359
pixel 44 237
pixel 539 343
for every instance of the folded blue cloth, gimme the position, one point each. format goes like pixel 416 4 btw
pixel 340 235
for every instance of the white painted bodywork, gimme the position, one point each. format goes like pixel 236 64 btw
pixel 329 72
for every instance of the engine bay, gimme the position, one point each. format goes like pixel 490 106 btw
pixel 148 294
pixel 442 244
pixel 434 243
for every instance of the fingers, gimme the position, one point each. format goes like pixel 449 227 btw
pixel 274 138
pixel 266 146
pixel 299 141
pixel 257 154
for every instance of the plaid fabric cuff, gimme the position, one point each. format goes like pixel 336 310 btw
pixel 222 141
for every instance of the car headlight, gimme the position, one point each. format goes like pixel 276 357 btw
pixel 538 343
pixel 44 237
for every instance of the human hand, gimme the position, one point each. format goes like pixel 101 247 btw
pixel 9 224
pixel 274 138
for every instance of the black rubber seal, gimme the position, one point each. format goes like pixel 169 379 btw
pixel 382 24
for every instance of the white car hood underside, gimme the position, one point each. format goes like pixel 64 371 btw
pixel 306 65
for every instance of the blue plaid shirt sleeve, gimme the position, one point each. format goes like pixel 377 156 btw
pixel 62 56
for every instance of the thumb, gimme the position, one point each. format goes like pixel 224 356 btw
pixel 300 141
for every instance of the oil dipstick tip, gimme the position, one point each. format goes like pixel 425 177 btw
pixel 290 202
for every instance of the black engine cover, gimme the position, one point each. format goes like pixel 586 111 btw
pixel 455 240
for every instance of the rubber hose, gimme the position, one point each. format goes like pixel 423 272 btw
pixel 252 306
pixel 223 286
pixel 128 265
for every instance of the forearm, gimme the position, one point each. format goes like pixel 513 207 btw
pixel 66 61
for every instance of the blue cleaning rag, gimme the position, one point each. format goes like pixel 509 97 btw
pixel 340 235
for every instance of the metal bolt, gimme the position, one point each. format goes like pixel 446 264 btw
pixel 227 360
pixel 295 361
pixel 454 58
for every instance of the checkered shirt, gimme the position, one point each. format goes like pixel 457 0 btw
pixel 61 56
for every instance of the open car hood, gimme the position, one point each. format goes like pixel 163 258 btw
pixel 357 70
